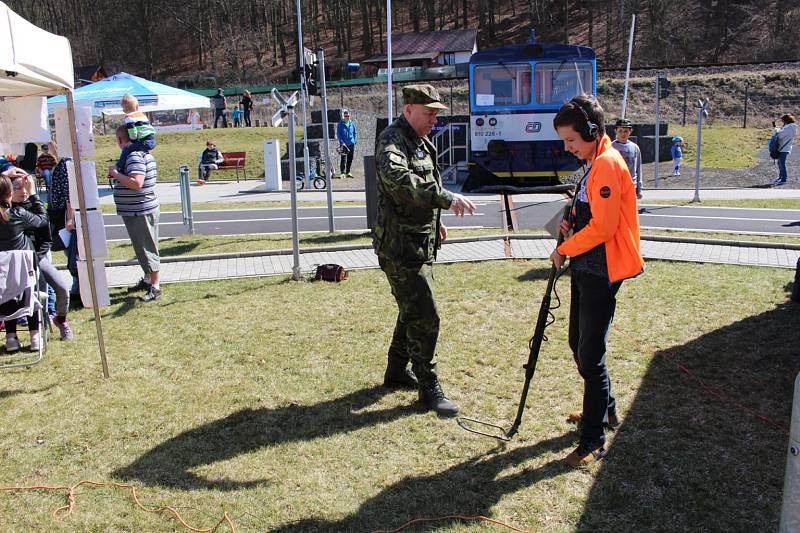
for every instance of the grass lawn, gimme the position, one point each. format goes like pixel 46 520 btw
pixel 183 148
pixel 259 397
pixel 723 146
pixel 776 203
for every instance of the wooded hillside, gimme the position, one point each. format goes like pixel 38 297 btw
pixel 224 42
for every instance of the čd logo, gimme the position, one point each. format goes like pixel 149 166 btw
pixel 533 127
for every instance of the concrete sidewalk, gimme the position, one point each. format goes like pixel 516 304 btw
pixel 279 262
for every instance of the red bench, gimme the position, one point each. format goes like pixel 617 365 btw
pixel 235 161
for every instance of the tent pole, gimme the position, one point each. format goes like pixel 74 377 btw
pixel 85 229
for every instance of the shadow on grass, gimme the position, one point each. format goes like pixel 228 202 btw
pixel 170 463
pixel 690 459
pixel 338 238
pixel 468 488
pixel 535 274
pixel 14 392
pixel 127 301
pixel 174 249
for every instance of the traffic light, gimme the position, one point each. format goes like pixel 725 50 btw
pixel 663 87
pixel 311 78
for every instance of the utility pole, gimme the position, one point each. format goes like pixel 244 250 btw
pixel 658 124
pixel 328 163
pixel 388 57
pixel 702 112
pixel 301 66
pixel 628 68
pixel 293 188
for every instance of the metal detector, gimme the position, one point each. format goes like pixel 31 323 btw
pixel 535 345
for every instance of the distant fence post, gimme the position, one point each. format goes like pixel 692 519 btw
pixel 685 91
pixel 746 90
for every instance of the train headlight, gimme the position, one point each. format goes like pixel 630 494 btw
pixel 493 121
pixel 479 122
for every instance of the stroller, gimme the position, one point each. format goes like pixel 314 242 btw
pixel 20 297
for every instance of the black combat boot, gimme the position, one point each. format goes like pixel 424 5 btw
pixel 399 376
pixel 432 397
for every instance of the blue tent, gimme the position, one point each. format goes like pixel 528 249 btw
pixel 105 96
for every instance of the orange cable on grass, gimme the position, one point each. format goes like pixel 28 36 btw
pixel 455 517
pixel 67 509
pixel 714 392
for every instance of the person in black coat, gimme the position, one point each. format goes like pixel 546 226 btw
pixel 247 107
pixel 14 223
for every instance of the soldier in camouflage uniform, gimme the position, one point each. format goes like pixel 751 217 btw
pixel 407 234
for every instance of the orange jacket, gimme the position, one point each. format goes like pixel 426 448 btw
pixel 615 218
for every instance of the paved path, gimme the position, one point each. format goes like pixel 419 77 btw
pixel 280 262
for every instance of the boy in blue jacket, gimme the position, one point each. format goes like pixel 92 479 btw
pixel 347 136
pixel 677 155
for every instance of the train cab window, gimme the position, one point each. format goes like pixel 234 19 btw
pixel 502 85
pixel 558 82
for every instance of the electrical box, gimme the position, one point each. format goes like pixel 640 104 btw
pixel 272 165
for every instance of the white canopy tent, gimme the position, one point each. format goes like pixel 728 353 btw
pixel 35 63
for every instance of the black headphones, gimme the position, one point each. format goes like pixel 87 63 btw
pixel 591 132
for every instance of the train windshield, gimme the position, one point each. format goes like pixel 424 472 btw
pixel 502 85
pixel 558 82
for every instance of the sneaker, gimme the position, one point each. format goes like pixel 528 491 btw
pixel 433 398
pixel 399 377
pixel 151 294
pixel 142 285
pixel 585 454
pixel 201 181
pixel 576 417
pixel 36 339
pixel 778 182
pixel 12 344
pixel 63 327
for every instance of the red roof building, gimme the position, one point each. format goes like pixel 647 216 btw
pixel 430 48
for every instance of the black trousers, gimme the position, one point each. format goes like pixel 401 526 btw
pixel 247 118
pixel 347 160
pixel 591 311
pixel 221 113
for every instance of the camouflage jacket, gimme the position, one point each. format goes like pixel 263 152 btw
pixel 410 196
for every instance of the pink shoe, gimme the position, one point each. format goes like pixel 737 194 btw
pixel 63 327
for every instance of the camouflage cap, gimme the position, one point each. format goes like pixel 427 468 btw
pixel 426 95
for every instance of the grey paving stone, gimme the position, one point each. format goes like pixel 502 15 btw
pixel 450 252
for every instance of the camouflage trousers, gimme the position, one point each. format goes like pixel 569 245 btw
pixel 417 329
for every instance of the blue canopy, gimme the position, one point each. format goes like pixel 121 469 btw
pixel 104 96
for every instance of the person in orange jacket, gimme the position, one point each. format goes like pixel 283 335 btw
pixel 603 250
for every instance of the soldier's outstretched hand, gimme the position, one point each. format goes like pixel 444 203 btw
pixel 462 205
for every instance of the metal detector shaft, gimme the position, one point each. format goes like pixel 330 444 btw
pixel 536 345
pixel 494 431
pixel 538 337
